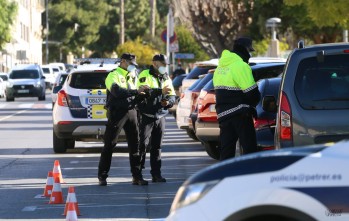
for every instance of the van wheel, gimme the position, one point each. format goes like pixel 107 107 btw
pixel 10 99
pixel 61 145
pixel 191 134
pixel 212 149
pixel 42 98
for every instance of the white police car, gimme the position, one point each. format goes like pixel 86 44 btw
pixel 79 113
pixel 298 184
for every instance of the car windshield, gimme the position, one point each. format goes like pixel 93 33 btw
pixel 203 82
pixel 199 70
pixel 323 85
pixel 195 84
pixel 177 81
pixel 88 80
pixel 208 86
pixel 46 70
pixel 24 74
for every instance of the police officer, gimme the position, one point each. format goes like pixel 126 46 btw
pixel 121 112
pixel 237 95
pixel 153 111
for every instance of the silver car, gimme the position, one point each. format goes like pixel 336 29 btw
pixel 313 97
pixel 26 81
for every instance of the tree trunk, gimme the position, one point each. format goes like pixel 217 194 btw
pixel 122 23
pixel 152 18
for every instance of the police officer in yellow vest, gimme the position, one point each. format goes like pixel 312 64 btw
pixel 153 111
pixel 121 102
pixel 237 95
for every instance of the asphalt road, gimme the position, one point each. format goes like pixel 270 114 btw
pixel 26 156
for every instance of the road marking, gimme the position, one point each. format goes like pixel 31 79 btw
pixel 39 196
pixel 74 162
pixel 9 116
pixel 29 209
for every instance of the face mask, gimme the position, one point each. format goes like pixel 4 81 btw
pixel 162 70
pixel 131 68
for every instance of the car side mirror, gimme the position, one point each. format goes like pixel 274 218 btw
pixel 269 104
pixel 56 89
pixel 43 77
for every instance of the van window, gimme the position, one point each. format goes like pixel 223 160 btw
pixel 323 85
pixel 199 70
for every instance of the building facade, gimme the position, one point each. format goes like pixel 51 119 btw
pixel 26 44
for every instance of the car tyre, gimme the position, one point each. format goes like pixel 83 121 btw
pixel 10 99
pixel 212 149
pixel 191 134
pixel 42 98
pixel 61 145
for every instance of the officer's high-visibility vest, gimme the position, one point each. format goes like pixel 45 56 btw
pixel 145 78
pixel 119 77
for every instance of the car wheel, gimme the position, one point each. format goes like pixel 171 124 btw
pixel 212 149
pixel 191 134
pixel 59 145
pixel 10 99
pixel 42 98
pixel 70 143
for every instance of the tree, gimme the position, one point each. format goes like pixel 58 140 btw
pixel 73 24
pixel 144 53
pixel 187 44
pixel 8 11
pixel 215 24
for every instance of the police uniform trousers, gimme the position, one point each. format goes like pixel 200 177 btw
pixel 239 126
pixel 151 133
pixel 118 119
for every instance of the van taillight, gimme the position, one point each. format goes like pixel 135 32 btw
pixel 62 98
pixel 285 117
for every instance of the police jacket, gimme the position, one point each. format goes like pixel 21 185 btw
pixel 121 92
pixel 236 90
pixel 152 105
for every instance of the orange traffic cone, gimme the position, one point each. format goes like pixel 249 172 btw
pixel 56 195
pixel 57 171
pixel 71 198
pixel 49 184
pixel 71 214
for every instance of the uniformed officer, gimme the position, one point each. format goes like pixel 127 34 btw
pixel 237 95
pixel 153 111
pixel 121 112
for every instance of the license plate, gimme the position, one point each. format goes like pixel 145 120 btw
pixel 23 91
pixel 96 100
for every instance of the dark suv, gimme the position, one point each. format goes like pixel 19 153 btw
pixel 314 96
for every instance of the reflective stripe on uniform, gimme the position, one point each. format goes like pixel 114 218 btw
pixel 232 110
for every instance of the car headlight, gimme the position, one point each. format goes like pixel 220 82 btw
pixel 190 194
pixel 9 84
pixel 38 84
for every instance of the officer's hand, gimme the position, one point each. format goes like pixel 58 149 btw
pixel 165 103
pixel 143 88
pixel 166 90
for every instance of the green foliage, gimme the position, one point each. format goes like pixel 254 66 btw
pixel 324 13
pixel 261 47
pixel 64 17
pixel 187 44
pixel 137 18
pixel 8 13
pixel 144 53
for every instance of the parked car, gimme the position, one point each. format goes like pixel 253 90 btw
pixel 314 96
pixel 176 83
pixel 292 184
pixel 3 83
pixel 79 113
pixel 49 76
pixel 207 127
pixel 57 85
pixel 26 81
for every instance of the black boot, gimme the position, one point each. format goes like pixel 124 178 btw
pixel 158 179
pixel 139 181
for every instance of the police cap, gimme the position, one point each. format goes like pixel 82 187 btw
pixel 160 57
pixel 130 58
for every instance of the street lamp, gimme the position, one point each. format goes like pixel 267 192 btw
pixel 273 23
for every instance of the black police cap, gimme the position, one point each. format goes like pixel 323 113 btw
pixel 246 42
pixel 160 57
pixel 130 57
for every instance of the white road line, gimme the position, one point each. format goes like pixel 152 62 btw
pixel 9 116
pixel 29 209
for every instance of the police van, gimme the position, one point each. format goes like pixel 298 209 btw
pixel 79 113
